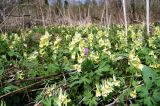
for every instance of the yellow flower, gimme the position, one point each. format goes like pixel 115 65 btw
pixel 20 75
pixel 101 33
pixel 65 60
pixel 155 66
pixel 16 37
pixel 77 37
pixel 71 46
pixel 44 40
pixel 67 37
pixel 62 98
pixel 98 93
pixel 115 82
pixel 90 37
pixel 33 55
pixel 106 89
pixel 57 41
pixel 133 94
pixel 103 89
pixel 42 52
pixel 108 43
pixel 135 61
pixel 131 55
pixel 80 59
pixel 49 90
pixel 101 42
pixel 73 55
pixel 140 66
pixel 94 56
pixel 77 67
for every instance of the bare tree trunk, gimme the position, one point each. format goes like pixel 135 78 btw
pixel 125 16
pixel 147 16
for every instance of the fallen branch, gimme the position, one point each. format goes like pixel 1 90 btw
pixel 38 78
pixel 35 79
pixel 113 103
pixel 20 90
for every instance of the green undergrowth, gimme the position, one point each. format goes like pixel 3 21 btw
pixel 75 65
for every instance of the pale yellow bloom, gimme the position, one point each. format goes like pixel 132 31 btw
pixel 33 55
pixel 115 82
pixel 57 41
pixel 101 42
pixel 77 37
pixel 16 37
pixel 42 52
pixel 65 60
pixel 101 33
pixel 44 40
pixel 90 37
pixel 73 55
pixel 133 94
pixel 155 65
pixel 62 98
pixel 135 61
pixel 82 45
pixel 50 89
pixel 80 59
pixel 71 46
pixel 103 90
pixel 20 75
pixel 77 67
pixel 106 89
pixel 98 92
pixel 94 56
pixel 131 55
pixel 140 66
pixel 67 37
pixel 25 54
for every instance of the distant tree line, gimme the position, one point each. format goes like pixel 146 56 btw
pixel 95 11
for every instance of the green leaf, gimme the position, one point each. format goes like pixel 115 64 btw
pixel 158 83
pixel 148 101
pixel 53 68
pixel 93 101
pixel 143 91
pixel 135 105
pixel 1 71
pixel 89 99
pixel 47 102
pixel 3 103
pixel 87 65
pixel 12 53
pixel 9 88
pixel 103 67
pixel 156 95
pixel 85 80
pixel 75 83
pixel 121 56
pixel 148 76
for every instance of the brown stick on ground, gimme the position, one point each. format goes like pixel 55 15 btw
pixel 35 79
pixel 20 90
